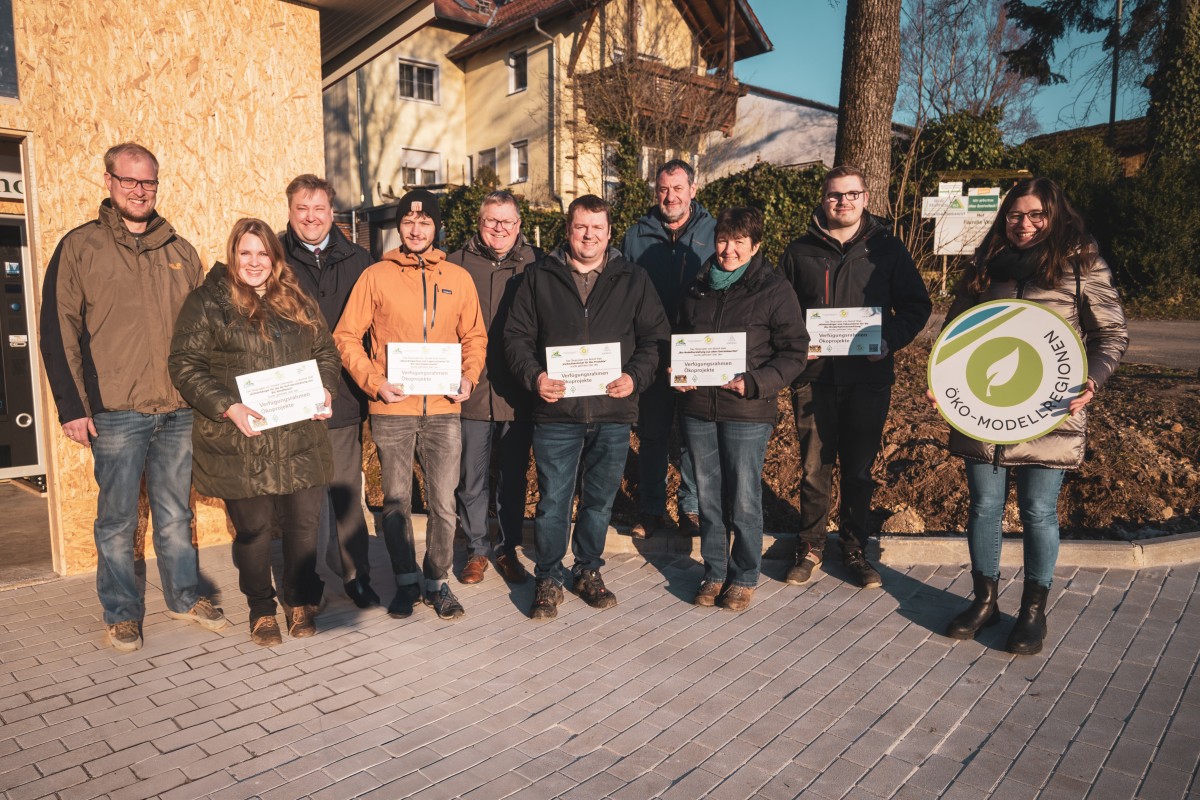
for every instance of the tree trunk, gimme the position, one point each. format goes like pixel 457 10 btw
pixel 1174 113
pixel 870 78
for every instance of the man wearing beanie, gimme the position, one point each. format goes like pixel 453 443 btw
pixel 414 295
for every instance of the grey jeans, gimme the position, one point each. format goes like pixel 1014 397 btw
pixel 437 442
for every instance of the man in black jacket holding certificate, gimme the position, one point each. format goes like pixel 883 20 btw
pixel 583 335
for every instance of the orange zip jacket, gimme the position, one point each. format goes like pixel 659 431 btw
pixel 406 298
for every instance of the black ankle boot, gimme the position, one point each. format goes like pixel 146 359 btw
pixel 1027 635
pixel 981 612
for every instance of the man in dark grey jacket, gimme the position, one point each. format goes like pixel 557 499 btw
pixel 671 242
pixel 498 411
pixel 847 259
pixel 583 298
pixel 327 265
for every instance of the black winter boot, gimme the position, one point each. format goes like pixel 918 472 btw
pixel 1027 635
pixel 981 612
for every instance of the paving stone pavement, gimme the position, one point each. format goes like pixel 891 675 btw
pixel 821 691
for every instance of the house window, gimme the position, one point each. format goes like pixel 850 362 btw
pixel 519 158
pixel 487 165
pixel 418 81
pixel 8 51
pixel 518 71
pixel 420 168
pixel 612 181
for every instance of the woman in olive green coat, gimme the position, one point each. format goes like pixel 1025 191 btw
pixel 249 317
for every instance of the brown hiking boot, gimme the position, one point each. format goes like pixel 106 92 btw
pixel 301 621
pixel 264 631
pixel 707 594
pixel 737 598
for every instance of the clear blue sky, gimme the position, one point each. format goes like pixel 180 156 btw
pixel 807 61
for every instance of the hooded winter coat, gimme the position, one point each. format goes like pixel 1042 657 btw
pixel 498 397
pixel 761 305
pixel 214 344
pixel 547 311
pixel 328 280
pixel 872 269
pixel 409 298
pixel 109 304
pixel 1093 308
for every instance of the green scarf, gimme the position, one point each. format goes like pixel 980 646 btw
pixel 721 280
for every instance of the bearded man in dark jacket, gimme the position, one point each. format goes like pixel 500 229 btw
pixel 327 265
pixel 497 415
pixel 671 242
pixel 582 296
pixel 847 259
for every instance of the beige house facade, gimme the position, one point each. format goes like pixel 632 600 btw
pixel 516 88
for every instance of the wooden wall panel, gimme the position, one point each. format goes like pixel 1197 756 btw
pixel 227 93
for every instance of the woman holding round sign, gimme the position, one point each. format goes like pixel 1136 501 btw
pixel 1035 329
pixel 249 317
pixel 747 342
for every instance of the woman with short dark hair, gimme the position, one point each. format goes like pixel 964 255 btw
pixel 727 427
pixel 1037 250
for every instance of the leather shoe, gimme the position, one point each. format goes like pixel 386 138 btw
pixel 361 594
pixel 689 524
pixel 511 568
pixel 402 604
pixel 474 569
pixel 646 525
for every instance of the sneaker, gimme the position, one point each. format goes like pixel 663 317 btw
pixel 125 636
pixel 444 603
pixel 546 600
pixel 646 525
pixel 707 594
pixel 861 570
pixel 204 614
pixel 301 621
pixel 401 606
pixel 689 524
pixel 264 631
pixel 806 561
pixel 737 598
pixel 591 589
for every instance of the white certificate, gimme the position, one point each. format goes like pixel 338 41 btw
pixel 587 369
pixel 707 359
pixel 844 331
pixel 425 367
pixel 283 395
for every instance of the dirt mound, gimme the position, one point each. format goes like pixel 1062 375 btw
pixel 1141 477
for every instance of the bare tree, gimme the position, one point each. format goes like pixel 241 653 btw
pixel 870 78
pixel 952 59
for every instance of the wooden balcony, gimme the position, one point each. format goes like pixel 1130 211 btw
pixel 652 95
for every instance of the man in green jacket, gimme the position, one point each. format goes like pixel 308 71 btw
pixel 113 289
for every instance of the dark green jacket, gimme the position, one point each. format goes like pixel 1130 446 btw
pixel 212 345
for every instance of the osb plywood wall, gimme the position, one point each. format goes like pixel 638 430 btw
pixel 227 93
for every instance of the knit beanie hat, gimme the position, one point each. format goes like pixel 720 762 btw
pixel 421 201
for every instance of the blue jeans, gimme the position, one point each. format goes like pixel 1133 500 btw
pixel 1037 501
pixel 728 460
pixel 656 421
pixel 559 448
pixel 128 445
pixel 512 441
pixel 436 440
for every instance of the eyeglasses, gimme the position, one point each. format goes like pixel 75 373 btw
pixel 131 183
pixel 1015 217
pixel 837 197
pixel 503 224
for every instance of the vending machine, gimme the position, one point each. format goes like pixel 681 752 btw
pixel 21 446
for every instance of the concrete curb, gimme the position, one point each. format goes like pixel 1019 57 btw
pixel 1163 551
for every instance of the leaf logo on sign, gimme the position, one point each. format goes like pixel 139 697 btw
pixel 1002 371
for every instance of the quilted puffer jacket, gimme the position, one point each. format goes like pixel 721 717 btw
pixel 212 345
pixel 1093 308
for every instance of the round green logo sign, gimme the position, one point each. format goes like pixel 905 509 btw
pixel 1005 371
